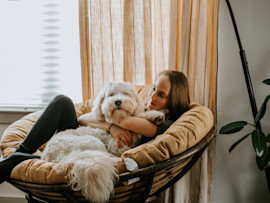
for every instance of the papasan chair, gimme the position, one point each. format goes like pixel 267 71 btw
pixel 162 161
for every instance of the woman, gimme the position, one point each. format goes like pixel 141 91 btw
pixel 170 91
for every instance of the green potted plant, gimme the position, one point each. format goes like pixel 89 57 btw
pixel 260 140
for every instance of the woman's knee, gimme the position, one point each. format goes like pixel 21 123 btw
pixel 62 101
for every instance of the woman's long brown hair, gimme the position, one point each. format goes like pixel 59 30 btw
pixel 179 94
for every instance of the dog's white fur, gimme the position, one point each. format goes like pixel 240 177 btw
pixel 90 150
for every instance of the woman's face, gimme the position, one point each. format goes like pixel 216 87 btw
pixel 158 97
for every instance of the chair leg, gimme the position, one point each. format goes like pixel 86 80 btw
pixel 155 198
pixel 30 199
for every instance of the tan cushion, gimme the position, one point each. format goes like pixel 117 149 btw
pixel 188 130
pixel 184 133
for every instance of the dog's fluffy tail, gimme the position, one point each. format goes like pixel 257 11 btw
pixel 93 173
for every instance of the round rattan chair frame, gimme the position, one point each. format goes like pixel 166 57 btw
pixel 138 186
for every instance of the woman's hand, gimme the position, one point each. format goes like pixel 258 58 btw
pixel 121 134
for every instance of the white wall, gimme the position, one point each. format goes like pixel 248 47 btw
pixel 237 178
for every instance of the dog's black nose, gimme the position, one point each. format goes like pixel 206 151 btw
pixel 118 103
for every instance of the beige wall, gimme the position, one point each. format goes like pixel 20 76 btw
pixel 237 178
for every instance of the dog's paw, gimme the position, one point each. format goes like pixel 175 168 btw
pixel 156 117
pixel 165 111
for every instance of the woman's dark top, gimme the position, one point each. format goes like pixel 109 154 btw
pixel 161 128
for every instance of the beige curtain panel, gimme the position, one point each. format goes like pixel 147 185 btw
pixel 126 40
pixel 198 60
pixel 133 40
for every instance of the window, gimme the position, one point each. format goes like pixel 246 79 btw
pixel 39 53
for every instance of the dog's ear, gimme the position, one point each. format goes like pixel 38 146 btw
pixel 140 108
pixel 140 105
pixel 96 110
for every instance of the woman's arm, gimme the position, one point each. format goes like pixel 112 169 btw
pixel 131 123
pixel 89 119
pixel 139 125
pixel 117 132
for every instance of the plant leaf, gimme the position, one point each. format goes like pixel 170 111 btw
pixel 233 127
pixel 267 158
pixel 259 142
pixel 268 138
pixel 262 110
pixel 238 142
pixel 267 81
pixel 264 161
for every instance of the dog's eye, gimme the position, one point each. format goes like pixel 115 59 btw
pixel 111 94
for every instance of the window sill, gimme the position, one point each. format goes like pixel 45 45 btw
pixel 19 109
pixel 9 115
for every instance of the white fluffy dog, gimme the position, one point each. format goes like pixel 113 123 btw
pixel 91 151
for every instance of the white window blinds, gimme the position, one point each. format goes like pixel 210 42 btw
pixel 39 52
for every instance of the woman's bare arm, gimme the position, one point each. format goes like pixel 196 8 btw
pixel 131 123
pixel 117 132
pixel 121 131
pixel 139 125
pixel 90 120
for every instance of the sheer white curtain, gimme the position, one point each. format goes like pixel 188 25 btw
pixel 135 40
pixel 126 40
pixel 198 60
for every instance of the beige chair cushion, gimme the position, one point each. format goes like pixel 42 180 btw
pixel 184 133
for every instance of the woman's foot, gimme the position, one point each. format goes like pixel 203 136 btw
pixel 7 164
